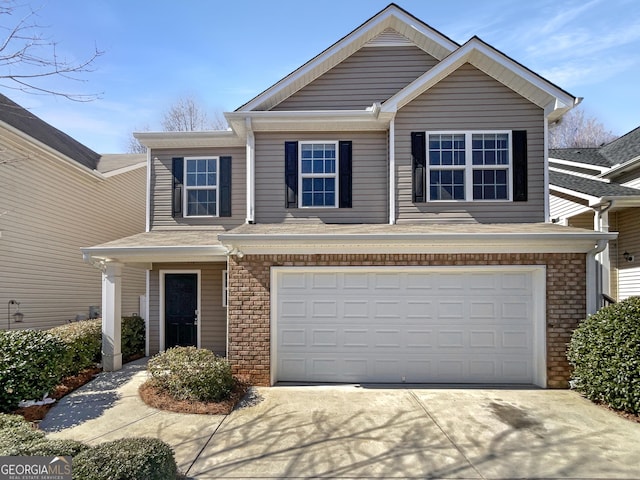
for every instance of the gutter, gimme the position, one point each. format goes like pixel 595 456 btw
pixel 592 276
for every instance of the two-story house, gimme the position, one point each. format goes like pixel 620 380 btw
pixel 378 215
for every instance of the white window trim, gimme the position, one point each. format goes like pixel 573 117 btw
pixel 208 187
pixel 225 288
pixel 468 166
pixel 318 175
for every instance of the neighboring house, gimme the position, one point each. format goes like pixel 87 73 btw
pixel 378 215
pixel 57 195
pixel 599 188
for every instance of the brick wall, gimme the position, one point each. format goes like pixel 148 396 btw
pixel 249 300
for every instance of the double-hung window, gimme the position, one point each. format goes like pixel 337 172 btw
pixel 318 174
pixel 201 186
pixel 469 166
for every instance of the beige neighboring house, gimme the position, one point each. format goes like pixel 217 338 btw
pixel 378 215
pixel 56 195
pixel 599 188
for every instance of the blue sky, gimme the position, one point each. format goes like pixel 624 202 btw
pixel 225 52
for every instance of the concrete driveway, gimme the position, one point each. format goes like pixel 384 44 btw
pixel 368 432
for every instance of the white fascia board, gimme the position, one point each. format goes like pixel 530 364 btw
pixel 586 166
pixel 563 101
pixel 417 243
pixel 619 201
pixel 621 167
pixel 126 169
pixel 27 142
pixel 208 138
pixel 154 254
pixel 359 37
pixel 581 175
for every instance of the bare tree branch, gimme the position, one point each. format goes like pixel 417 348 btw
pixel 576 130
pixel 27 57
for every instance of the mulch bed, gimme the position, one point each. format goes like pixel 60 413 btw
pixel 163 401
pixel 67 385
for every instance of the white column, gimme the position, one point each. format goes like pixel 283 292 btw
pixel 112 317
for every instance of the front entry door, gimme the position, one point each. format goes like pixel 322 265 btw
pixel 181 309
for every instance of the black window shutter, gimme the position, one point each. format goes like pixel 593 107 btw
pixel 225 187
pixel 519 146
pixel 419 165
pixel 177 169
pixel 345 175
pixel 291 174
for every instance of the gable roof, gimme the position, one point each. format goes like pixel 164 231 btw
pixel 26 122
pixel 391 18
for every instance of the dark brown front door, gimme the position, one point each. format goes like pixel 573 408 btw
pixel 180 309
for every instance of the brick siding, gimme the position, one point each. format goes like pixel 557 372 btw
pixel 249 300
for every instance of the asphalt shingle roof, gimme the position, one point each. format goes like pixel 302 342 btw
pixel 588 186
pixel 18 117
pixel 589 156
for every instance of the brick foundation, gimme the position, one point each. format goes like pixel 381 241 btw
pixel 249 300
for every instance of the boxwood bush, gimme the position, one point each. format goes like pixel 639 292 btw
pixel 84 344
pixel 16 434
pixel 133 336
pixel 127 458
pixel 190 373
pixel 605 354
pixel 31 364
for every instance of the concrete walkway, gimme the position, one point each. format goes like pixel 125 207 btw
pixel 367 432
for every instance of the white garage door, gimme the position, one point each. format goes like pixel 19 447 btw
pixel 414 325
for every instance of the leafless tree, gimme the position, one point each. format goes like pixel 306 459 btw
pixel 577 130
pixel 185 115
pixel 28 58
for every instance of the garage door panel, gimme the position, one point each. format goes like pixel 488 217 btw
pixel 413 326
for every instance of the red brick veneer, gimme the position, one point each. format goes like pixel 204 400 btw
pixel 249 300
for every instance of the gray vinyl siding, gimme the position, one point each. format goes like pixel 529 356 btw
pixel 369 174
pixel 372 74
pixel 213 316
pixel 162 185
pixel 583 220
pixel 564 206
pixel 470 100
pixel 627 273
pixel 48 212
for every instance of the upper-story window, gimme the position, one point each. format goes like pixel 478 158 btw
pixel 318 174
pixel 201 186
pixel 464 166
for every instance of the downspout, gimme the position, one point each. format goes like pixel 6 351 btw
pixel 392 171
pixel 251 165
pixel 148 206
pixel 602 261
pixel 593 298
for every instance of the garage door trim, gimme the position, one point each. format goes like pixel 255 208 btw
pixel 538 276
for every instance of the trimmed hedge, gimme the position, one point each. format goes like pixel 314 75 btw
pixel 31 364
pixel 133 336
pixel 605 354
pixel 127 458
pixel 84 344
pixel 16 434
pixel 190 373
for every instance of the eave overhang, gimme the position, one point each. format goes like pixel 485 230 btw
pixel 154 254
pixel 423 243
pixel 210 138
pixel 494 63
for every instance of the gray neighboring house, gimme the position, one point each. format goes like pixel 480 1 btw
pixel 378 215
pixel 57 195
pixel 599 188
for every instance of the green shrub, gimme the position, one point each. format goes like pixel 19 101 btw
pixel 16 434
pixel 133 336
pixel 31 364
pixel 54 447
pixel 127 458
pixel 189 373
pixel 84 344
pixel 605 354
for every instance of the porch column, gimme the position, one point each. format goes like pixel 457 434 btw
pixel 112 317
